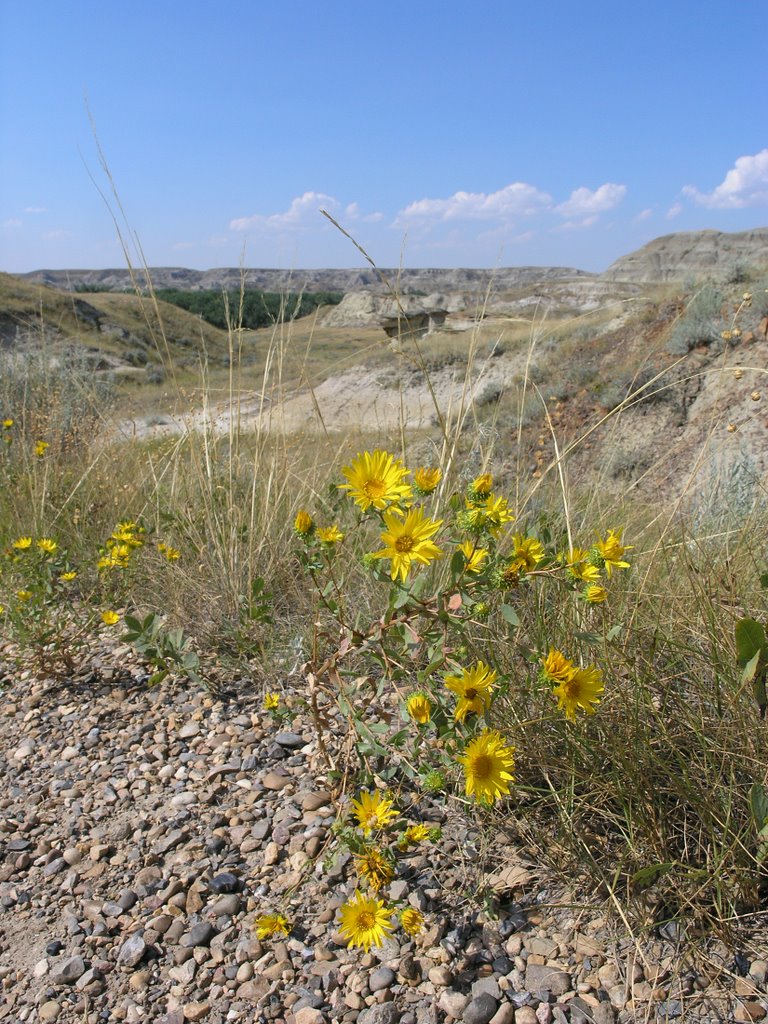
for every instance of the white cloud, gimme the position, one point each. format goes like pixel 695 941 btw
pixel 52 236
pixel 516 200
pixel 584 205
pixel 352 212
pixel 12 222
pixel 303 208
pixel 35 209
pixel 746 184
pixel 673 211
pixel 644 214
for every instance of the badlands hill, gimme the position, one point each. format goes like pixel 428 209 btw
pixel 676 257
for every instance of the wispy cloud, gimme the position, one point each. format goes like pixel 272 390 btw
pixel 12 222
pixel 303 209
pixel 515 200
pixel 746 184
pixel 674 211
pixel 644 214
pixel 52 236
pixel 35 209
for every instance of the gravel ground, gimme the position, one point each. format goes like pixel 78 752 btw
pixel 143 830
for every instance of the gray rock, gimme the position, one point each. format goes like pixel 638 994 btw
pixel 489 986
pixel 226 906
pixel 132 950
pixel 480 1010
pixel 291 740
pixel 540 978
pixel 199 935
pixel 67 971
pixel 382 977
pixel 384 1013
pixel 225 882
pixel 453 1003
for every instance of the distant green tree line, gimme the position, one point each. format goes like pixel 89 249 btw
pixel 259 309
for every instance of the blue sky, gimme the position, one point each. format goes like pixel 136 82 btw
pixel 437 133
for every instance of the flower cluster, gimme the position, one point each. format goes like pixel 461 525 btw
pixel 126 538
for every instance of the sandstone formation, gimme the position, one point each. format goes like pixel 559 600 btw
pixel 693 254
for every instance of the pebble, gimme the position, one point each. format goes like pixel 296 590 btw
pixel 67 970
pixel 480 1010
pixel 140 861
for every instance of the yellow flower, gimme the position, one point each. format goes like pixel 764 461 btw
pixel 2 609
pixel 373 811
pixel 610 552
pixel 411 921
pixel 375 479
pixel 472 688
pixel 480 487
pixel 408 541
pixel 595 594
pixel 271 701
pixel 171 554
pixel 22 543
pixel 109 618
pixel 579 568
pixel 527 554
pixel 47 546
pixel 556 668
pixel 374 867
pixel 365 921
pixel 24 595
pixel 303 524
pixel 7 424
pixel 40 448
pixel 489 513
pixel 269 925
pixel 426 480
pixel 414 834
pixel 488 766
pixel 474 555
pixel 419 707
pixel 67 577
pixel 330 535
pixel 581 689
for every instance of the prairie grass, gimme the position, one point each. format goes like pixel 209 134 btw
pixel 647 801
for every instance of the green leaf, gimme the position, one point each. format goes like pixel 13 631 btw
pixel 758 805
pixel 510 615
pixel 614 631
pixel 750 669
pixel 458 561
pixel 750 640
pixel 587 638
pixel 764 580
pixel 647 876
